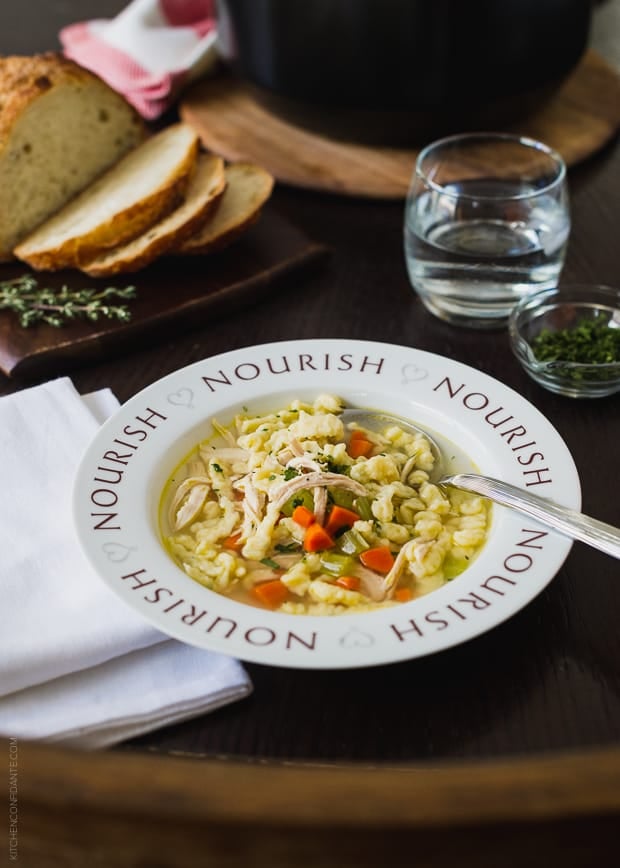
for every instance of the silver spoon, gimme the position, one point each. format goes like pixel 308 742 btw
pixel 567 522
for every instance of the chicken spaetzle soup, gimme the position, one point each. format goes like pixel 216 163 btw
pixel 297 512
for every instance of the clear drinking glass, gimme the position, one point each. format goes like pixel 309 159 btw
pixel 486 222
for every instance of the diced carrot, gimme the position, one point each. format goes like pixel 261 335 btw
pixel 340 517
pixel 233 542
pixel 379 559
pixel 351 583
pixel 303 516
pixel 359 445
pixel 403 595
pixel 316 538
pixel 271 593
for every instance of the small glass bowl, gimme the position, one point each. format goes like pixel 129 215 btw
pixel 555 310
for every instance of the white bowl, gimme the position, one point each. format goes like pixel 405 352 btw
pixel 122 475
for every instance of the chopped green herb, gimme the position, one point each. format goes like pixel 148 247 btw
pixel 590 342
pixel 332 467
pixel 217 467
pixel 287 548
pixel 269 562
pixel 290 473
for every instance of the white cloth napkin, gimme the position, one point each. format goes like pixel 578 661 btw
pixel 76 663
pixel 149 52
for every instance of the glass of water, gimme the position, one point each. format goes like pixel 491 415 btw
pixel 486 222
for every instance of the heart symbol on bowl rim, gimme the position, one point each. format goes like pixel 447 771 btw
pixel 117 552
pixel 182 398
pixel 412 373
pixel 355 638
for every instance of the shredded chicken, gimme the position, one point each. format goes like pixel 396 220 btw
pixel 391 579
pixel 254 499
pixel 314 480
pixel 293 450
pixel 407 468
pixel 320 504
pixel 296 447
pixel 371 583
pixel 188 501
pixel 262 572
pixel 304 462
pixel 196 467
pixel 227 435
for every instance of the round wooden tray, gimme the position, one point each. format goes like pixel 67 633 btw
pixel 581 118
pixel 116 809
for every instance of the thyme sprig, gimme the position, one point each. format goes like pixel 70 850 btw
pixel 58 307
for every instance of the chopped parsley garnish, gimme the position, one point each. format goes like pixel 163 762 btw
pixel 269 562
pixel 290 473
pixel 217 467
pixel 590 342
pixel 287 548
pixel 332 467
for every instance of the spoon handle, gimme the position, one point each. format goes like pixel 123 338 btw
pixel 566 521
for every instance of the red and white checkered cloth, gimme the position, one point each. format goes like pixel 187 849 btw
pixel 149 52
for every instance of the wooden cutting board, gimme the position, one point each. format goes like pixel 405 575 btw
pixel 178 292
pixel 582 117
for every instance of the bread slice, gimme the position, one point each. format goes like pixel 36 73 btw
pixel 247 189
pixel 60 128
pixel 145 185
pixel 205 189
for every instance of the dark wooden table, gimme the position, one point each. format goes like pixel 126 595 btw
pixel 543 687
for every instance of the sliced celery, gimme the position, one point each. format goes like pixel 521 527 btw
pixel 300 498
pixel 363 508
pixel 342 497
pixel 352 542
pixel 337 565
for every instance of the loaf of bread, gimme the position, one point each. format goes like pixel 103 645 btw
pixel 144 186
pixel 201 199
pixel 60 128
pixel 83 184
pixel 247 189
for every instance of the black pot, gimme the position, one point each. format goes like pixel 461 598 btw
pixel 400 71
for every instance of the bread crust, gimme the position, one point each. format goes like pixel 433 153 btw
pixel 142 251
pixel 222 240
pixel 25 84
pixel 122 226
pixel 24 79
pixel 224 228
